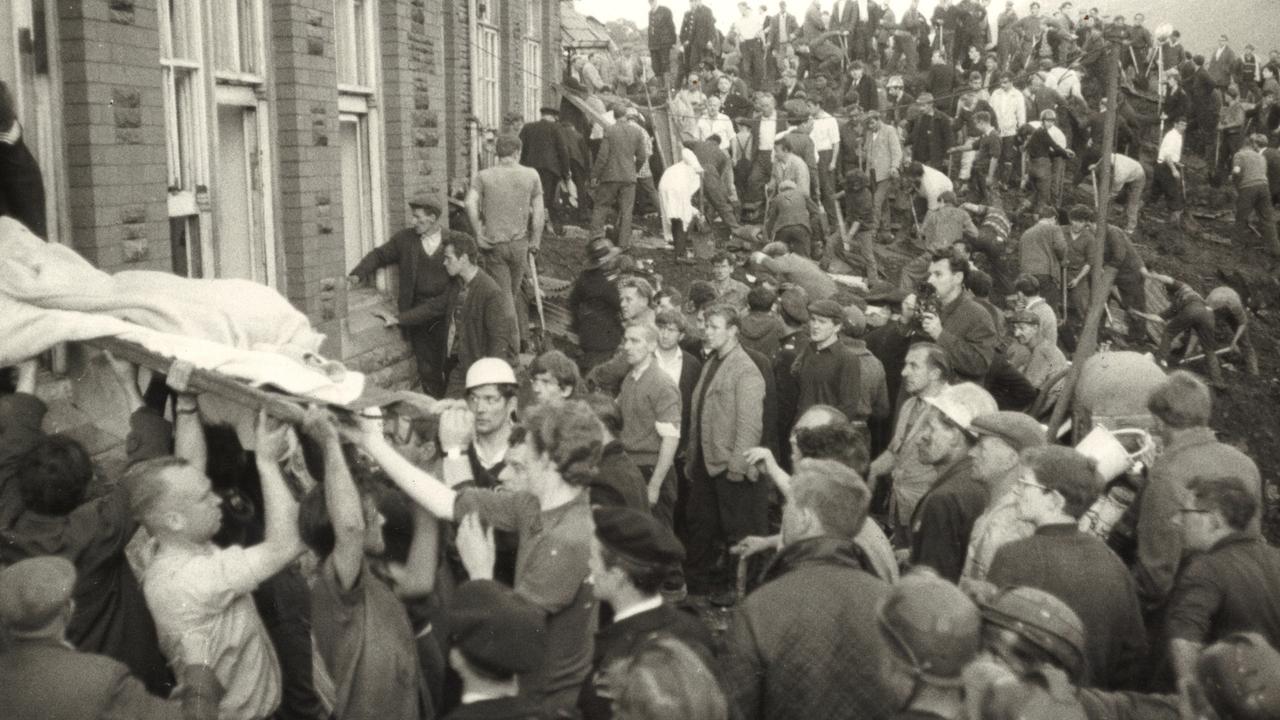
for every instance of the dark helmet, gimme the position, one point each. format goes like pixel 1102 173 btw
pixel 932 626
pixel 1042 620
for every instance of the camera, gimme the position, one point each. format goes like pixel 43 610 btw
pixel 926 302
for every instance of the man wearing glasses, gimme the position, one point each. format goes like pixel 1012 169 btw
pixel 1057 486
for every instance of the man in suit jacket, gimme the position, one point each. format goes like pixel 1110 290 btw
pixel 542 147
pixel 662 37
pixel 481 323
pixel 782 31
pixel 622 151
pixel 1222 64
pixel 698 34
pixel 423 292
pixel 882 153
pixel 45 677
pixel 725 421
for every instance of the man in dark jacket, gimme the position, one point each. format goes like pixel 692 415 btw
pixel 819 599
pixel 423 293
pixel 481 324
pixel 931 136
pixel 699 36
pixel 943 518
pixel 662 37
pixel 1076 567
pixel 595 306
pixel 632 553
pixel 956 321
pixel 543 148
pixel 622 151
pixel 21 184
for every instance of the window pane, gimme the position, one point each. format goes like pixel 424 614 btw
pixel 179 31
pixel 352 30
pixel 236 37
pixel 184 246
pixel 357 200
pixel 235 208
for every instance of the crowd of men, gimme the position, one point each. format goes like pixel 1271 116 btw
pixel 855 475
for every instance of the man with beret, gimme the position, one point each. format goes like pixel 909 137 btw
pixel 423 288
pixel 827 371
pixel 1041 359
pixel 1056 488
pixel 1001 436
pixel 793 310
pixel 494 636
pixel 632 554
pixel 542 147
pixel 45 677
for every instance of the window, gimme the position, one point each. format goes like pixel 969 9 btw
pixel 359 129
pixel 238 46
pixel 352 21
pixel 359 234
pixel 185 130
pixel 532 59
pixel 488 80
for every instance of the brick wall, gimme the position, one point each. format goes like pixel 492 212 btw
pixel 511 25
pixel 413 91
pixel 306 116
pixel 114 132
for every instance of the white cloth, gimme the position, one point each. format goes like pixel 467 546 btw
pixel 825 133
pixel 768 129
pixel 1010 108
pixel 1170 147
pixel 671 366
pixel 431 243
pixel 1126 170
pixel 719 125
pixel 205 615
pixel 51 295
pixel 750 26
pixel 676 190
pixel 1065 80
pixel 933 184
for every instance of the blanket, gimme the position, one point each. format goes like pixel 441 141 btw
pixel 50 295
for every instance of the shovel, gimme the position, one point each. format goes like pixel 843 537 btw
pixel 537 300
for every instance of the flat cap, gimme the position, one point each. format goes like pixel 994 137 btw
pixel 1024 317
pixel 1015 428
pixel 426 202
pixel 827 308
pixel 1241 676
pixel 494 627
pixel 34 591
pixel 637 534
pixel 855 321
pixel 795 305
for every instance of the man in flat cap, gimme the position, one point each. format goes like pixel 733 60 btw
pixel 1042 358
pixel 1001 436
pixel 44 676
pixel 827 371
pixel 542 147
pixel 632 553
pixel 494 636
pixel 423 295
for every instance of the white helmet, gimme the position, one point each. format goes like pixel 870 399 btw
pixel 490 371
pixel 962 403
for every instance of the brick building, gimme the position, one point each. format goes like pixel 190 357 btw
pixel 276 140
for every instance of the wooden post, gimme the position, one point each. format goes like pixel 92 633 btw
pixel 1100 279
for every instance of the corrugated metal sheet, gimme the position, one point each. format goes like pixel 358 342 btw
pixel 581 33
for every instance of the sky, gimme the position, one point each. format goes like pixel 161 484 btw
pixel 1244 21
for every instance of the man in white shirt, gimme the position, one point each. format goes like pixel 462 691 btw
pixel 198 593
pixel 1168 179
pixel 766 129
pixel 826 142
pixel 1127 175
pixel 1010 108
pixel 716 123
pixel 749 31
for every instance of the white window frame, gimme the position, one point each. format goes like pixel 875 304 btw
pixel 247 90
pixel 188 171
pixel 227 13
pixel 486 82
pixel 359 103
pixel 532 59
pixel 365 57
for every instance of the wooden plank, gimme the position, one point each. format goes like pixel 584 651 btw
pixel 289 408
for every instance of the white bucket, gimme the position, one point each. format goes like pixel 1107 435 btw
pixel 1112 457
